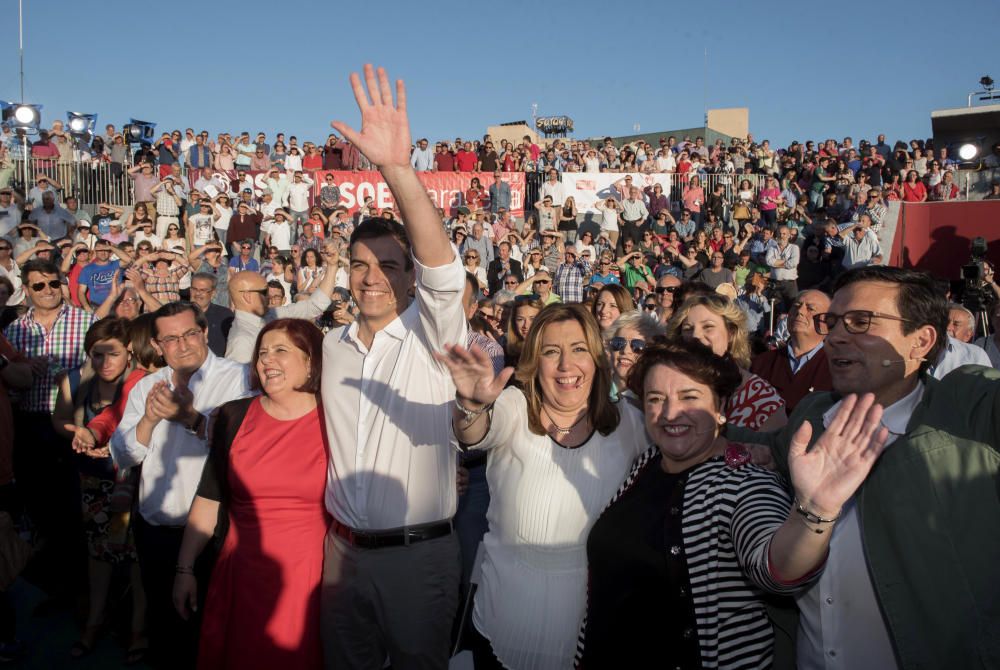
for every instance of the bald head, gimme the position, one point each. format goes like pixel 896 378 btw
pixel 247 293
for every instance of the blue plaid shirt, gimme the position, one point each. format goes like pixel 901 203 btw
pixel 568 282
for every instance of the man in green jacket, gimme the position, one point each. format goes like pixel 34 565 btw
pixel 911 578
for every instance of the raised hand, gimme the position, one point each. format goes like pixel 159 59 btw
pixel 472 372
pixel 825 477
pixel 83 439
pixel 385 129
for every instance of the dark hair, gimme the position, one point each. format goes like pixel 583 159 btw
pixel 39 266
pixel 274 283
pixel 919 301
pixel 109 328
pixel 692 358
pixel 179 307
pixel 4 281
pixel 375 227
pixel 140 330
pixel 472 281
pixel 306 337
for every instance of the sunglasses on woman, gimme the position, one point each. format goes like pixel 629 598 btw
pixel 618 344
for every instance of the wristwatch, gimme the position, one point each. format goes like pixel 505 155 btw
pixel 195 427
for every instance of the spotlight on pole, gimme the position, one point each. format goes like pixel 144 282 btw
pixel 22 117
pixel 139 132
pixel 80 124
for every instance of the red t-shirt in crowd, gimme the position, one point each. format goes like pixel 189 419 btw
pixel 312 162
pixel 466 161
pixel 444 161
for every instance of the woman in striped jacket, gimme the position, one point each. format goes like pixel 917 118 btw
pixel 682 557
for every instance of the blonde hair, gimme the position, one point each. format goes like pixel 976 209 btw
pixel 602 412
pixel 732 316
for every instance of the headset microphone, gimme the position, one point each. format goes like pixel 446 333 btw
pixel 886 362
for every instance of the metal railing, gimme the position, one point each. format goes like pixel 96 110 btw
pixel 91 182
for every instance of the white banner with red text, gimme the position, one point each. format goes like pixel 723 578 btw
pixel 588 188
pixel 448 190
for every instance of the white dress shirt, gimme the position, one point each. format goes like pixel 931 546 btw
pixel 388 411
pixel 298 194
pixel 247 325
pixel 173 460
pixel 789 256
pixel 955 354
pixel 840 623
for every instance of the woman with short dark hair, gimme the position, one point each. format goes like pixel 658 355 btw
pixel 267 470
pixel 699 535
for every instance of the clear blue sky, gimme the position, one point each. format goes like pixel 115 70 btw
pixel 858 69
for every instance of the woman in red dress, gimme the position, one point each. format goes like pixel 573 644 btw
pixel 267 468
pixel 914 189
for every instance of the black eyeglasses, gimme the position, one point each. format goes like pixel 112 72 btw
pixel 649 307
pixel 541 281
pixel 618 344
pixel 856 321
pixel 245 248
pixel 666 289
pixel 5 248
pixel 52 283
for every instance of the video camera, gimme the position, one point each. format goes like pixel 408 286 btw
pixel 974 298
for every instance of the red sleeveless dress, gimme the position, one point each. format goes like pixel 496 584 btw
pixel 263 603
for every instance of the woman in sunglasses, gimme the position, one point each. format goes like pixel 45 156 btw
pixel 473 265
pixel 625 339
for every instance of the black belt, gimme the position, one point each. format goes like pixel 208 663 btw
pixel 392 538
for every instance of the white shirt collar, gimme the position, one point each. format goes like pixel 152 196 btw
pixel 895 417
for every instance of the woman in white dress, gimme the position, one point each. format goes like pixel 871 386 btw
pixel 559 448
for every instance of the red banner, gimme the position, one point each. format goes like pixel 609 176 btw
pixel 446 189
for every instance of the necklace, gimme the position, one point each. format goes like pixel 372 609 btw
pixel 559 430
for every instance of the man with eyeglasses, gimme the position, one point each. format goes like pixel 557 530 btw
pixel 163 429
pixel 666 286
pixel 50 335
pixel 220 318
pixel 248 297
pixel 906 581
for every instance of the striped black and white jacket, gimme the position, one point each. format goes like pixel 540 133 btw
pixel 730 515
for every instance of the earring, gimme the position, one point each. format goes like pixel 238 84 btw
pixel 721 419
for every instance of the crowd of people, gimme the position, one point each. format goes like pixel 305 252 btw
pixel 696 430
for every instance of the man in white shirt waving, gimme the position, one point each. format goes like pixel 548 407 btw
pixel 391 573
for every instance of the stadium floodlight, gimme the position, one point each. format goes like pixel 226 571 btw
pixel 139 132
pixel 968 151
pixel 22 117
pixel 80 124
pixel 986 82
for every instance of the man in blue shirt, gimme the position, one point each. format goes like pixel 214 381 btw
pixel 499 193
pixel 98 276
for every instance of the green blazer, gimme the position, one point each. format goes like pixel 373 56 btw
pixel 930 520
